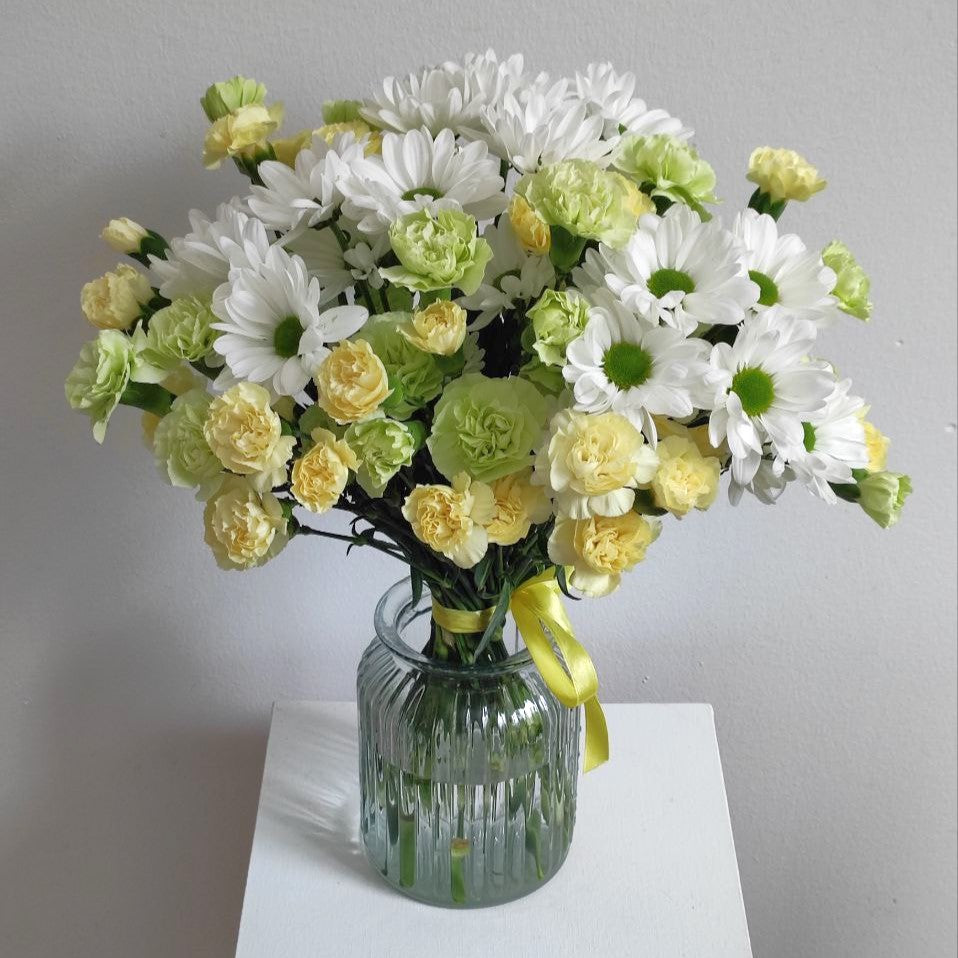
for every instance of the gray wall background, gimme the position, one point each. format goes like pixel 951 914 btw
pixel 136 679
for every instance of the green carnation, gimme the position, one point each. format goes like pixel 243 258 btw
pixel 852 286
pixel 666 166
pixel 414 376
pixel 341 111
pixel 224 98
pixel 486 427
pixel 882 496
pixel 557 319
pixel 183 455
pixel 437 252
pixel 383 447
pixel 181 331
pixel 581 199
pixel 106 368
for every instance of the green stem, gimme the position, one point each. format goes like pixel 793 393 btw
pixel 148 396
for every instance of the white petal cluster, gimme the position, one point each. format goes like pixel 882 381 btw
pixel 200 261
pixel 271 329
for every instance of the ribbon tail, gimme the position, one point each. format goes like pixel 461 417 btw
pixel 596 736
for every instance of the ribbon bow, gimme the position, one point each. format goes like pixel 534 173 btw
pixel 536 606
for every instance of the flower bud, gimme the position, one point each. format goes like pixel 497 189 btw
pixel 882 496
pixel 123 235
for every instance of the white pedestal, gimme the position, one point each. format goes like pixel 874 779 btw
pixel 651 872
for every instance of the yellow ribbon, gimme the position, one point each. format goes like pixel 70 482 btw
pixel 535 604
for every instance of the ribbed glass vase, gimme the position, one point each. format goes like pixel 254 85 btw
pixel 467 774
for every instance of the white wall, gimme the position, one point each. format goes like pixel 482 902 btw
pixel 136 679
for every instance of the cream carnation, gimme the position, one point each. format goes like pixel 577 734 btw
pixel 352 382
pixel 245 434
pixel 243 527
pixel 783 174
pixel 452 519
pixel 685 478
pixel 600 548
pixel 593 463
pixel 115 300
pixel 240 133
pixel 320 475
pixel 439 329
pixel 518 505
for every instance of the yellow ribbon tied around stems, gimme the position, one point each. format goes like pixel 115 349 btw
pixel 536 606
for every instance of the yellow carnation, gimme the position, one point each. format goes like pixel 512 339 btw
pixel 321 474
pixel 439 329
pixel 599 549
pixel 246 435
pixel 451 519
pixel 592 464
pixel 697 434
pixel 876 445
pixel 358 128
pixel 685 478
pixel 240 132
pixel 115 300
pixel 530 228
pixel 518 504
pixel 243 527
pixel 637 202
pixel 287 148
pixel 783 174
pixel 123 235
pixel 352 382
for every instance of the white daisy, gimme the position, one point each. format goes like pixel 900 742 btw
pixel 540 126
pixel 680 271
pixel 450 95
pixel 337 270
pixel 766 485
pixel 765 388
pixel 611 95
pixel 832 445
pixel 197 263
pixel 415 172
pixel 635 369
pixel 271 329
pixel 786 273
pixel 512 276
pixel 308 194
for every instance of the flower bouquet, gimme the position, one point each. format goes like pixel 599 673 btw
pixel 490 316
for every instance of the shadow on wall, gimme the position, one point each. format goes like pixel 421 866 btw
pixel 136 838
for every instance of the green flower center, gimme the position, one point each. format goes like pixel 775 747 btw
pixel 664 281
pixel 422 191
pixel 286 337
pixel 767 290
pixel 809 438
pixel 755 388
pixel 627 365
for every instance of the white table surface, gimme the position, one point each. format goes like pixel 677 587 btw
pixel 651 873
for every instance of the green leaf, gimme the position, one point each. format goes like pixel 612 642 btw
pixel 498 617
pixel 645 504
pixel 565 249
pixel 415 579
pixel 848 491
pixel 481 571
pixel 563 584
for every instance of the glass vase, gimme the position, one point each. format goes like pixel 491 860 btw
pixel 467 773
